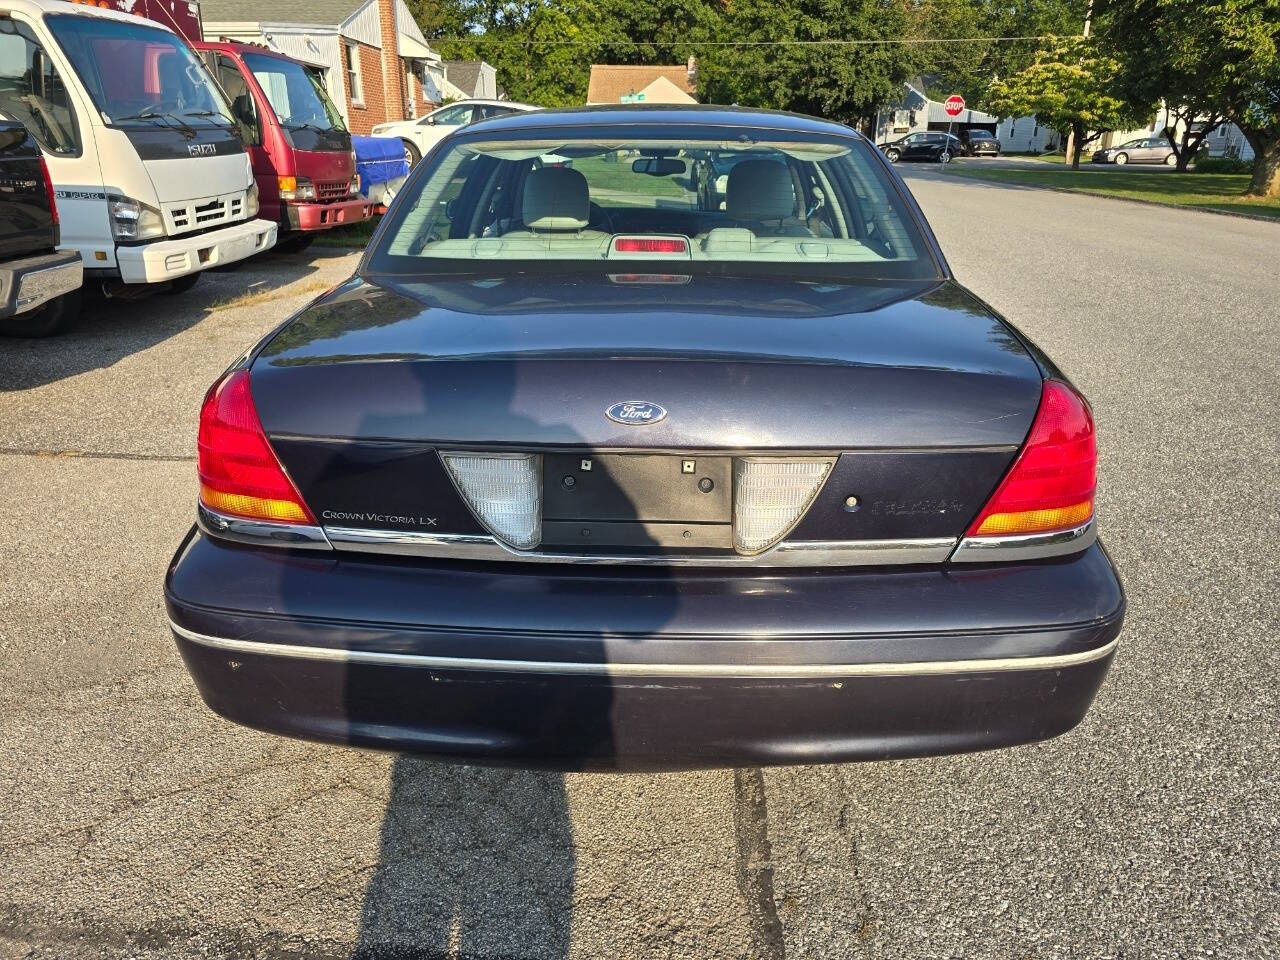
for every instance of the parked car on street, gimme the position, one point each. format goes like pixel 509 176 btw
pixel 299 146
pixel 979 143
pixel 39 285
pixel 422 134
pixel 934 147
pixel 579 471
pixel 1143 150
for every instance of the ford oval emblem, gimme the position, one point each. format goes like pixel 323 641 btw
pixel 635 413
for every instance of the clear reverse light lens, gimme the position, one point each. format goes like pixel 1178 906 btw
pixel 504 491
pixel 770 496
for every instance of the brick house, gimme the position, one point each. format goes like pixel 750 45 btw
pixel 375 62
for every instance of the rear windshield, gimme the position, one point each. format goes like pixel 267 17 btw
pixel 815 208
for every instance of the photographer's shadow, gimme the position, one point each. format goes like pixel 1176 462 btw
pixel 473 862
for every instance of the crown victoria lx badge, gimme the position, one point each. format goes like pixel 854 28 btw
pixel 635 413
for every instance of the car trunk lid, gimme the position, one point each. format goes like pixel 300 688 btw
pixel 915 397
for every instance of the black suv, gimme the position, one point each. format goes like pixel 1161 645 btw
pixel 933 146
pixel 38 285
pixel 980 143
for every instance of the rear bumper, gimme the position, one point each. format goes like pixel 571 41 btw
pixel 30 283
pixel 322 216
pixel 170 259
pixel 623 669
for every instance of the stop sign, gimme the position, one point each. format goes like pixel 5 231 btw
pixel 954 105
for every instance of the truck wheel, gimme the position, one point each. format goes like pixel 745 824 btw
pixel 183 284
pixel 411 154
pixel 295 242
pixel 49 321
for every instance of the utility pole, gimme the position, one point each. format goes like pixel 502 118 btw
pixel 1071 134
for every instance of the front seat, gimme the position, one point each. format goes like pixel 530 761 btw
pixel 761 196
pixel 556 203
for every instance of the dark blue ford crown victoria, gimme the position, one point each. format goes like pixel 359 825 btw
pixel 648 438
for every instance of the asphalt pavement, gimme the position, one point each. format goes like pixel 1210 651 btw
pixel 135 823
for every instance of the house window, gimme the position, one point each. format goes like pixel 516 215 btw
pixel 353 72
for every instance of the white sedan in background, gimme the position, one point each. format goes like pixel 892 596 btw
pixel 422 134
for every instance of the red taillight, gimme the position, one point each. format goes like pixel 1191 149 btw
pixel 1052 483
pixel 650 245
pixel 239 472
pixel 48 189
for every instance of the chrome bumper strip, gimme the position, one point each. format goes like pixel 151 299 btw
pixel 260 533
pixel 793 553
pixel 1032 546
pixel 710 670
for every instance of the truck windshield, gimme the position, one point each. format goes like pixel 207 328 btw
pixel 139 75
pixel 300 103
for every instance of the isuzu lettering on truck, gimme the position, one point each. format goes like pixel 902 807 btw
pixel 152 180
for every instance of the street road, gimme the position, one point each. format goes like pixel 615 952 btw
pixel 133 822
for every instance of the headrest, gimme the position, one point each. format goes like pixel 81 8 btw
pixel 556 198
pixel 758 190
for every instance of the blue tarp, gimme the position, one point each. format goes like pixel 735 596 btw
pixel 379 160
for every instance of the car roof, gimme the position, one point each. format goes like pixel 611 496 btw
pixel 654 114
pixel 481 102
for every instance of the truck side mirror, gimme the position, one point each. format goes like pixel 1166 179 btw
pixel 242 110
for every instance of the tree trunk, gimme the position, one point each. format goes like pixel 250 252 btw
pixel 1266 162
pixel 1185 152
pixel 1077 144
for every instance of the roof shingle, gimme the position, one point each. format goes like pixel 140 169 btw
pixel 321 12
pixel 610 83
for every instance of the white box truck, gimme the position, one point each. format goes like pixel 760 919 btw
pixel 152 181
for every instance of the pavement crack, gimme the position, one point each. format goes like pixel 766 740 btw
pixel 754 865
pixel 94 454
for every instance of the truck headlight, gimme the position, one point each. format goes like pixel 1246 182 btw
pixel 132 219
pixel 354 189
pixel 251 200
pixel 296 188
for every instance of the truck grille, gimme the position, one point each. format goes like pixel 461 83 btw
pixel 328 191
pixel 187 215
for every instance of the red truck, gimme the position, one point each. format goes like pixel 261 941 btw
pixel 298 144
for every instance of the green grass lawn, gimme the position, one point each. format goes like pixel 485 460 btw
pixel 1204 191
pixel 605 174
pixel 1042 157
pixel 355 235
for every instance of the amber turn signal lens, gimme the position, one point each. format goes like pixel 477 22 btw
pixel 1052 483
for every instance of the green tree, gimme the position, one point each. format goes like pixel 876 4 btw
pixel 841 81
pixel 967 68
pixel 541 49
pixel 1217 59
pixel 1069 87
